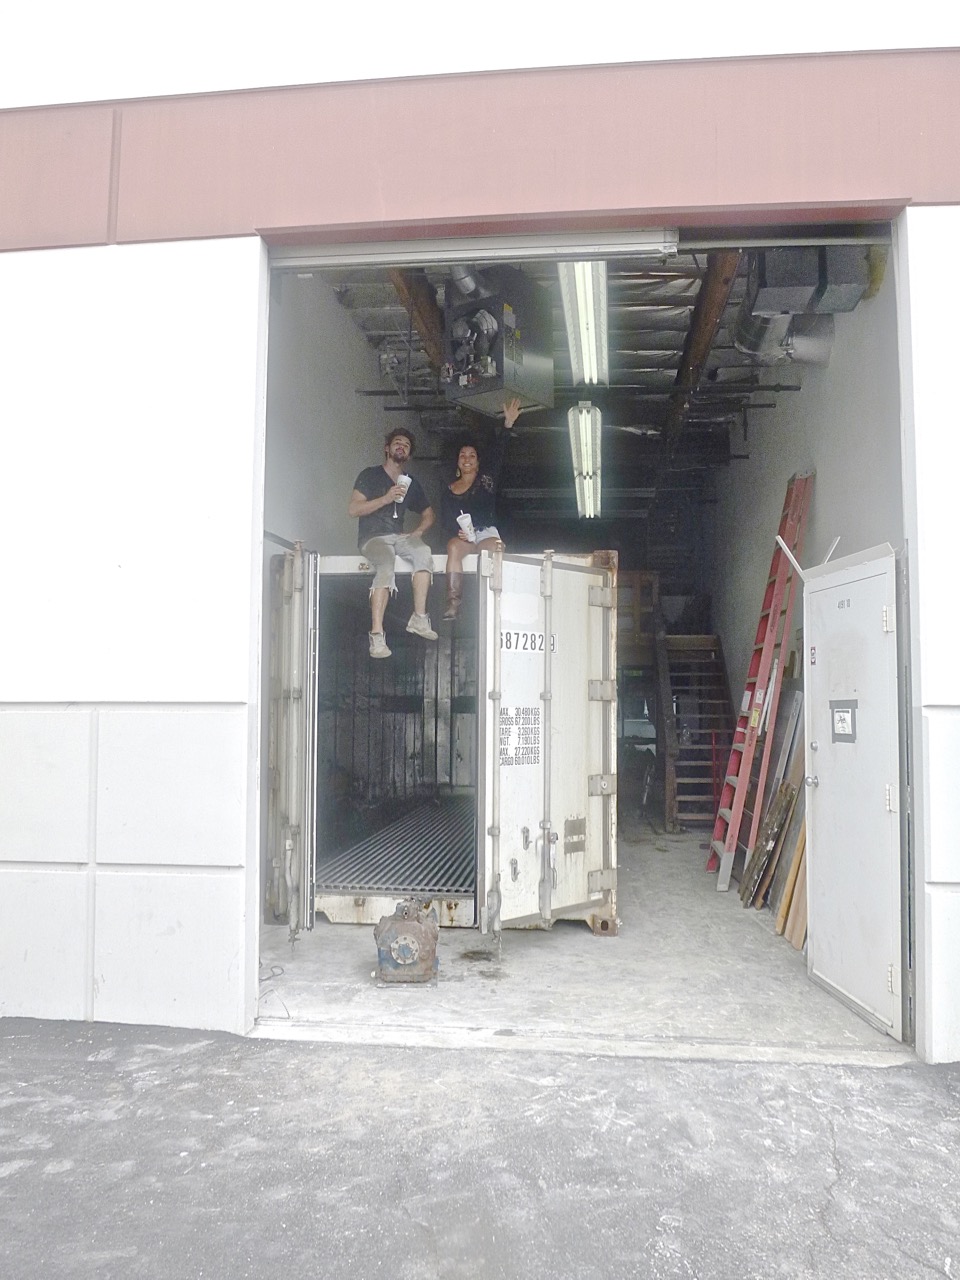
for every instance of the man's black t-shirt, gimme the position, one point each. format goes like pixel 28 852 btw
pixel 374 482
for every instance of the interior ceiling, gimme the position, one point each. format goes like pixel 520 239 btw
pixel 679 405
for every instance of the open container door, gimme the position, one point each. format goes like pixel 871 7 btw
pixel 292 748
pixel 548 739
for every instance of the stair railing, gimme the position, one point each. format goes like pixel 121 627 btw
pixel 668 744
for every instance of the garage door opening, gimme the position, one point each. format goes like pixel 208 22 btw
pixel 691 485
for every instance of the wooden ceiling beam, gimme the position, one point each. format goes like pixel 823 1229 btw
pixel 714 294
pixel 414 291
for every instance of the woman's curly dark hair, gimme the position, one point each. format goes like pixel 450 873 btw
pixel 466 442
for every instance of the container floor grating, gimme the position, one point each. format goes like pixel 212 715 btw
pixel 431 851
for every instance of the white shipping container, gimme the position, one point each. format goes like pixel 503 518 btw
pixel 475 773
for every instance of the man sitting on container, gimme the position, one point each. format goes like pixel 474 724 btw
pixel 381 496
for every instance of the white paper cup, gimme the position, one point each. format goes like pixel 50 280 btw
pixel 404 482
pixel 466 524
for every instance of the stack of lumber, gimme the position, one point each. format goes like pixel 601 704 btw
pixel 776 876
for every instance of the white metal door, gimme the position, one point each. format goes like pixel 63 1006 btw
pixel 292 747
pixel 853 783
pixel 548 731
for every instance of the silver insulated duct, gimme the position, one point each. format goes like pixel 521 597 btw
pixel 792 294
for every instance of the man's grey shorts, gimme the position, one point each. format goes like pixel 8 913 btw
pixel 382 553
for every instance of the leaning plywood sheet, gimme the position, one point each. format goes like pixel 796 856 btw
pixel 791 881
pixel 791 837
pixel 770 830
pixel 796 930
pixel 782 746
pixel 766 876
pixel 785 836
pixel 789 718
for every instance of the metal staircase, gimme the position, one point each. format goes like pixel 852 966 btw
pixel 704 720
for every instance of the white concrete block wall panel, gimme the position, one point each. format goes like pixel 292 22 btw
pixel 171 786
pixel 941 1032
pixel 46 805
pixel 929 278
pixel 44 934
pixel 170 948
pixel 131 411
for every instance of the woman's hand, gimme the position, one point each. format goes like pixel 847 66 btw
pixel 464 537
pixel 511 412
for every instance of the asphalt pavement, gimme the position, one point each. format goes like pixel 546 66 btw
pixel 147 1152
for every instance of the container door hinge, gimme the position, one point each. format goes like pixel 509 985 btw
pixel 893 979
pixel 486 566
pixel 602 881
pixel 602 597
pixel 602 690
pixel 888 620
pixel 888 792
pixel 602 784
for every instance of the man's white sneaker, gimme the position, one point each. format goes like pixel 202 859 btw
pixel 378 645
pixel 419 625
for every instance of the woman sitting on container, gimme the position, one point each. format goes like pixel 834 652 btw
pixel 468 507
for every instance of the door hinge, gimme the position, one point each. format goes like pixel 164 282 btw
pixel 891 807
pixel 602 690
pixel 602 784
pixel 602 881
pixel 603 597
pixel 888 620
pixel 893 979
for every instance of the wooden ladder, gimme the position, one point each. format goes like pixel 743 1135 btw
pixel 762 689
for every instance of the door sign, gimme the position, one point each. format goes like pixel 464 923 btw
pixel 844 717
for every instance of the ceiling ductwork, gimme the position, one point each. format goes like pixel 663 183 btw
pixel 469 282
pixel 803 339
pixel 498 343
pixel 787 313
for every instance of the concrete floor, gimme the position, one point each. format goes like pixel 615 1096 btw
pixel 692 974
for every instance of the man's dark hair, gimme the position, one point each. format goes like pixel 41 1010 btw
pixel 407 435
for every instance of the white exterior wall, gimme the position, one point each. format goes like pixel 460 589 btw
pixel 131 411
pixel 930 277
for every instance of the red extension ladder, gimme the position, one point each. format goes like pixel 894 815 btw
pixel 762 690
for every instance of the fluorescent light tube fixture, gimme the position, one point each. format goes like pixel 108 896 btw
pixel 583 287
pixel 583 423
